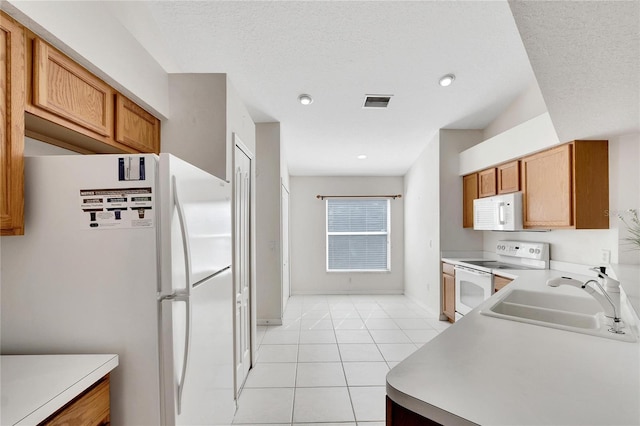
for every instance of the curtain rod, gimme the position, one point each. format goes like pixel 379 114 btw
pixel 322 197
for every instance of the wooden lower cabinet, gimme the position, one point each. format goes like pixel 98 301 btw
pixel 499 282
pixel 397 415
pixel 449 291
pixel 91 408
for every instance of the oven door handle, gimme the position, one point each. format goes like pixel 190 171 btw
pixel 471 271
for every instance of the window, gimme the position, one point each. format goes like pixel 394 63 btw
pixel 358 234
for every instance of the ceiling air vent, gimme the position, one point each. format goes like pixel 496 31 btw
pixel 376 101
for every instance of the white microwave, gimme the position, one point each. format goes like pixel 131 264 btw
pixel 498 213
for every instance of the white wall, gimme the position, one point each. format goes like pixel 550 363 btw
pixel 308 236
pixel 534 135
pixel 240 122
pixel 527 105
pixel 268 232
pixel 624 190
pixel 80 29
pixel 433 214
pixel 196 131
pixel 205 113
pixel 422 226
pixel 33 147
pixel 453 236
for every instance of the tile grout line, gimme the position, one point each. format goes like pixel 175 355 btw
pixel 335 323
pixel 335 335
pixel 295 379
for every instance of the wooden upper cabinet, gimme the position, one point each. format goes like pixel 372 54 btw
pixel 546 185
pixel 135 127
pixel 64 88
pixel 12 103
pixel 487 183
pixel 69 106
pixel 591 184
pixel 469 193
pixel 508 177
pixel 567 186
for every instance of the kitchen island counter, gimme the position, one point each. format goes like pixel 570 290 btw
pixel 36 386
pixel 491 371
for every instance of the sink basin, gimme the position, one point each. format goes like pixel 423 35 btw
pixel 561 311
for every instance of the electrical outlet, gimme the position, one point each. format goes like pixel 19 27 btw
pixel 605 256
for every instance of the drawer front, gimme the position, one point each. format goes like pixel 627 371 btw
pixel 448 268
pixel 64 88
pixel 89 409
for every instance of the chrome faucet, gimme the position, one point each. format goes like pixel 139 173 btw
pixel 610 310
pixel 609 282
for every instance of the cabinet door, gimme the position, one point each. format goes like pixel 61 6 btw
pixel 92 408
pixel 135 127
pixel 509 177
pixel 469 193
pixel 546 187
pixel 449 296
pixel 487 183
pixel 448 292
pixel 12 104
pixel 64 88
pixel 499 282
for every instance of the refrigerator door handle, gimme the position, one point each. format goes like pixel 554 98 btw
pixel 187 294
pixel 185 357
pixel 182 297
pixel 185 235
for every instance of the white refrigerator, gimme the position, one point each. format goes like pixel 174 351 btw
pixel 128 254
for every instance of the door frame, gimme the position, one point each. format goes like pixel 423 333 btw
pixel 237 142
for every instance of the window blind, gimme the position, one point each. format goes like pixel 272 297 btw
pixel 358 234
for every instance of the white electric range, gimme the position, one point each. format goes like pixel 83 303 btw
pixel 474 278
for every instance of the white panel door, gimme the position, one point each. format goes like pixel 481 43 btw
pixel 242 252
pixel 286 277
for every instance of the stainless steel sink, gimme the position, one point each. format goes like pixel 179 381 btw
pixel 561 311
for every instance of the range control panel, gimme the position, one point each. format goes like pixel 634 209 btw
pixel 523 249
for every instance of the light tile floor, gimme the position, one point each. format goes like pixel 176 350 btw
pixel 326 364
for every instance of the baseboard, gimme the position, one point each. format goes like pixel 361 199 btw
pixel 346 292
pixel 423 306
pixel 275 321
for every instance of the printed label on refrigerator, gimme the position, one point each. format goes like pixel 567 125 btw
pixel 117 208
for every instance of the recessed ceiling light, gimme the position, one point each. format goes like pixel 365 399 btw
pixel 446 80
pixel 362 157
pixel 305 99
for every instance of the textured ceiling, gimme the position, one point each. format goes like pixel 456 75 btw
pixel 338 52
pixel 586 58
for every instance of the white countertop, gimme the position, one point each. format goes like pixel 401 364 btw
pixel 35 386
pixel 492 371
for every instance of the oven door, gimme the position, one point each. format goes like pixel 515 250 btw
pixel 472 288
